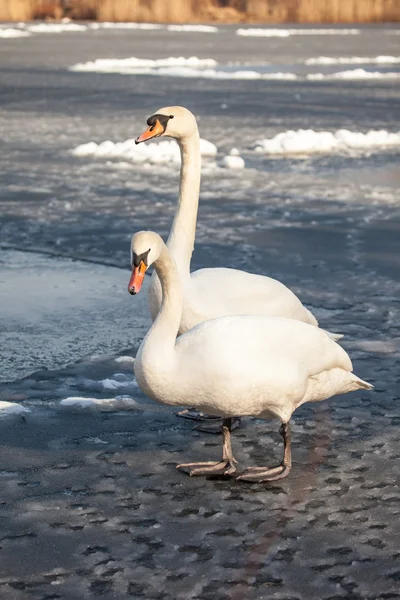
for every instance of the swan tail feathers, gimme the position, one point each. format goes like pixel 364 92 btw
pixel 311 320
pixel 332 383
pixel 363 384
pixel 334 336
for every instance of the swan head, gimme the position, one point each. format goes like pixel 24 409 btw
pixel 146 247
pixel 171 121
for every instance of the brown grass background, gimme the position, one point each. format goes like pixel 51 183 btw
pixel 192 11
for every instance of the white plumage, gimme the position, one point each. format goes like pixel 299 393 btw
pixel 211 292
pixel 234 366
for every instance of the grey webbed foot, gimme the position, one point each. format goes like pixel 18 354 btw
pixel 223 467
pixel 226 466
pixel 260 474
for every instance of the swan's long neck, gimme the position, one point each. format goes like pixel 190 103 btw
pixel 163 332
pixel 183 231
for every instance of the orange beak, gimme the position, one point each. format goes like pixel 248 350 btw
pixel 136 280
pixel 151 132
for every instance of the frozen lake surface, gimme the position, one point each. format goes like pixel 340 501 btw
pixel 92 506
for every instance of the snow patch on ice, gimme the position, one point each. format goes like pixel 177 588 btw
pixel 306 141
pixel 42 27
pixel 9 32
pixel 8 409
pixel 353 60
pixel 353 74
pixel 124 359
pixel 164 152
pixel 55 27
pixel 269 32
pixel 193 28
pixel 220 74
pixel 173 67
pixel 137 65
pixel 155 26
pixel 108 25
pixel 100 404
pixel 239 74
pixel 116 384
pixel 233 160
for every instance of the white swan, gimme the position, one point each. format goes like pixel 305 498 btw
pixel 237 365
pixel 211 292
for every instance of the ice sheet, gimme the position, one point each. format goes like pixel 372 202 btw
pixel 10 32
pixel 176 67
pixel 308 141
pixel 270 32
pixel 155 153
pixel 8 409
pixel 352 60
pixel 354 74
pixel 100 404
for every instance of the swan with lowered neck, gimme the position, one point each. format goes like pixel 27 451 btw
pixel 254 365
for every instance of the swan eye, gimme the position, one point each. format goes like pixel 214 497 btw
pixel 171 116
pixel 140 258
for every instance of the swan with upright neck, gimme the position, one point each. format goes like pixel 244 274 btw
pixel 211 292
pixel 254 365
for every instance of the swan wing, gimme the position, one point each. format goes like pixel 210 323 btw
pixel 220 292
pixel 257 365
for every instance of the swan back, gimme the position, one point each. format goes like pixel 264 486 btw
pixel 250 343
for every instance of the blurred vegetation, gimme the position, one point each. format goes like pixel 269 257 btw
pixel 191 11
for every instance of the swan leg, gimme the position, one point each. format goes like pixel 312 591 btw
pixel 260 474
pixel 216 424
pixel 196 415
pixel 226 466
pixel 211 424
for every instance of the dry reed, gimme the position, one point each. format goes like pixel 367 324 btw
pixel 186 11
pixel 27 10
